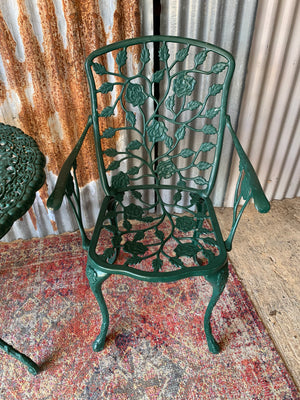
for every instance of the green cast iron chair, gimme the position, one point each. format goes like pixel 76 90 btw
pixel 158 117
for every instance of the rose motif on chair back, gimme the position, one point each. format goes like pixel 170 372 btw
pixel 171 116
pixel 135 94
pixel 184 85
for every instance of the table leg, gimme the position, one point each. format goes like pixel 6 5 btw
pixel 32 366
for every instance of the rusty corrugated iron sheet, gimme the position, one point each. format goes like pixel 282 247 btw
pixel 43 87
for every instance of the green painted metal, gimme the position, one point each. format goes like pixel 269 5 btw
pixel 31 365
pixel 156 220
pixel 248 187
pixel 21 175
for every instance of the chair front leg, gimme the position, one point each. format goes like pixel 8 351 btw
pixel 96 279
pixel 218 282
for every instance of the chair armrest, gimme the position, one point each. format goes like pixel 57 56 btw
pixel 248 186
pixel 64 180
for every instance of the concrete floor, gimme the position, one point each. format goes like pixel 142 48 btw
pixel 265 256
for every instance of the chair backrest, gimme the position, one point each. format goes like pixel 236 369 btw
pixel 159 107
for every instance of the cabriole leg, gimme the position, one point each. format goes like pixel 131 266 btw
pixel 218 282
pixel 96 278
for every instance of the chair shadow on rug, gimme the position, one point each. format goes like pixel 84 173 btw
pixel 158 139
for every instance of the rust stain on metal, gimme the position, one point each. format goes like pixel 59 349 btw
pixel 2 90
pixel 59 87
pixel 15 72
pixel 32 217
pixel 54 226
pixel 44 194
pixel 126 25
pixel 60 105
pixel 126 20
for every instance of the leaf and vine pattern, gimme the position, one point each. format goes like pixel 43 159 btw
pixel 167 240
pixel 21 174
pixel 153 149
pixel 182 109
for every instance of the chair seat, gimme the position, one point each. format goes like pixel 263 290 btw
pixel 141 235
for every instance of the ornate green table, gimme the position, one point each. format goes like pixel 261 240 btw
pixel 21 175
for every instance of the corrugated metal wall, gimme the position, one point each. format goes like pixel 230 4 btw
pixel 43 44
pixel 269 121
pixel 43 87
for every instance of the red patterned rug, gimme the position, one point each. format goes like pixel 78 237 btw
pixel 155 348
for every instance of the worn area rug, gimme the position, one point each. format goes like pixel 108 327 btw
pixel 155 348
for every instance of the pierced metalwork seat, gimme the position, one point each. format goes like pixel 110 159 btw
pixel 21 176
pixel 158 116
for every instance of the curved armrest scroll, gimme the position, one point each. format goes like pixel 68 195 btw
pixel 64 179
pixel 248 186
pixel 250 182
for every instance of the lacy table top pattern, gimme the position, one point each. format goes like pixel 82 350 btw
pixel 21 174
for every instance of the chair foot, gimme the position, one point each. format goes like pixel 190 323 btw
pixel 96 279
pixel 218 282
pixel 213 346
pixel 98 344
